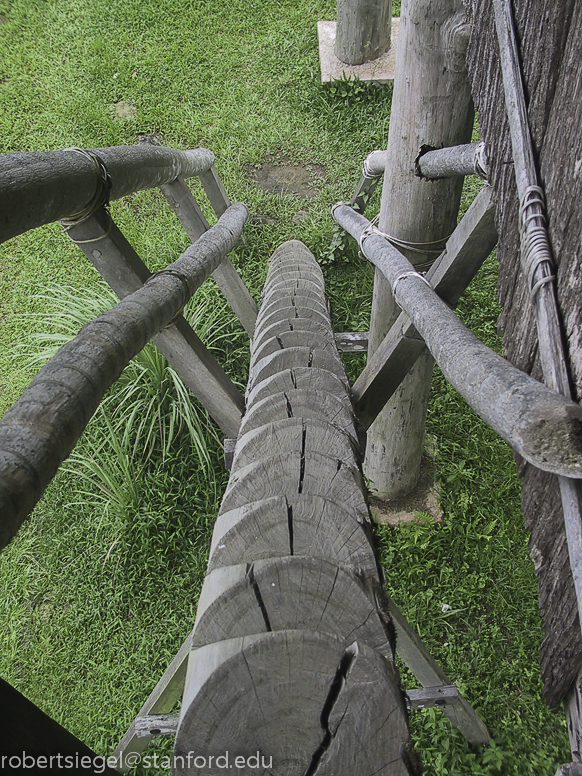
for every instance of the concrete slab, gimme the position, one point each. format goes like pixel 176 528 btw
pixel 380 70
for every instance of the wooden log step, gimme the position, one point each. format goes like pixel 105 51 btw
pixel 290 593
pixel 293 357
pixel 290 434
pixel 292 473
pixel 284 287
pixel 304 403
pixel 290 313
pixel 319 330
pixel 293 251
pixel 297 272
pixel 296 339
pixel 298 701
pixel 305 525
pixel 301 377
pixel 299 306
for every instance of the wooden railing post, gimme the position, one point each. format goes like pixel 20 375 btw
pixel 363 30
pixel 431 106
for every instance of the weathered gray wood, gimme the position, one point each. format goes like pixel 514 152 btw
pixel 289 434
pixel 363 30
pixel 288 312
pixel 156 725
pixel 467 159
pixel 430 71
pixel 573 709
pixel 465 251
pixel 161 700
pixel 304 403
pixel 118 263
pixel 288 593
pixel 182 201
pixel 570 769
pixel 352 341
pixel 295 339
pixel 291 358
pixel 214 189
pixel 542 426
pixel 280 526
pixel 428 697
pixel 40 430
pixel 301 377
pixel 550 54
pixel 43 186
pixel 228 447
pixel 418 659
pixel 321 330
pixel 293 473
pixel 235 703
pixel 302 301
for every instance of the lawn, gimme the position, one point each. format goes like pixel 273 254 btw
pixel 99 589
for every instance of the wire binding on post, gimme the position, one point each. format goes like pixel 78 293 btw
pixel 536 247
pixel 101 196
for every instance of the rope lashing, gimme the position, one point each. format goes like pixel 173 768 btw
pixel 481 161
pixel 536 252
pixel 100 197
pixel 403 276
pixel 413 247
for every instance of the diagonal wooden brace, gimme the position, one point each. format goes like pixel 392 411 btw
pixel 116 260
pixel 183 203
pixel 465 251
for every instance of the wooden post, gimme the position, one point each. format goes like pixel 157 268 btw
pixel 363 30
pixel 431 106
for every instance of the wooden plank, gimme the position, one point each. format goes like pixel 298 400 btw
pixel 333 700
pixel 432 696
pixel 118 263
pixel 38 743
pixel 465 251
pixel 418 659
pixel 214 189
pixel 156 725
pixel 161 700
pixel 181 200
pixel 41 429
pixel 288 593
pixel 280 526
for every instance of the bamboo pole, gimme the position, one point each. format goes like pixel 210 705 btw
pixel 41 429
pixel 431 106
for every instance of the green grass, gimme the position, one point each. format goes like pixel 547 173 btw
pixel 99 588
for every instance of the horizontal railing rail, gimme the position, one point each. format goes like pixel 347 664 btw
pixel 40 430
pixel 542 426
pixel 39 187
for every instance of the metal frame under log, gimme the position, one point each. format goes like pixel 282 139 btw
pixel 542 426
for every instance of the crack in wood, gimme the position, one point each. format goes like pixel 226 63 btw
pixel 290 526
pixel 258 595
pixel 335 689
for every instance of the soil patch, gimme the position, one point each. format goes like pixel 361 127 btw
pixel 279 176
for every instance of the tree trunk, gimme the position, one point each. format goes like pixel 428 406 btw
pixel 431 106
pixel 363 30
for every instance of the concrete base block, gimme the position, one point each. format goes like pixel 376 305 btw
pixel 380 70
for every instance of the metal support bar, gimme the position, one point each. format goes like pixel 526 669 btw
pixel 183 203
pixel 465 251
pixel 428 672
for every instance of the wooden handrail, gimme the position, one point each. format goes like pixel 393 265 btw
pixel 41 429
pixel 542 426
pixel 43 186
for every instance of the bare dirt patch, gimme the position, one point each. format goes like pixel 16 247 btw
pixel 280 176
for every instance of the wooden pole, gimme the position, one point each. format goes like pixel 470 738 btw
pixel 431 106
pixel 363 30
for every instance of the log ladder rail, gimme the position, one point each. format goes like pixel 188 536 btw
pixel 74 186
